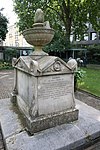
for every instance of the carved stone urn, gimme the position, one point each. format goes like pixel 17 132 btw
pixel 40 35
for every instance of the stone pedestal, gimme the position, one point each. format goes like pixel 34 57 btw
pixel 45 91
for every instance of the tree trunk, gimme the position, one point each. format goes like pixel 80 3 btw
pixel 67 21
pixel 67 40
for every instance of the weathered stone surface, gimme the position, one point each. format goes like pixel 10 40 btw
pixel 39 16
pixel 41 34
pixel 55 93
pixel 45 65
pixel 74 135
pixel 44 87
pixel 44 84
pixel 52 120
pixel 9 118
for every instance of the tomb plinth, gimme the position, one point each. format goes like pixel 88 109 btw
pixel 44 85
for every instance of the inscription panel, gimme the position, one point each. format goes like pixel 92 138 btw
pixel 55 93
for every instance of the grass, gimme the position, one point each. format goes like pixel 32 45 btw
pixel 91 81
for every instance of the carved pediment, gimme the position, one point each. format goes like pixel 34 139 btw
pixel 45 65
pixel 22 64
pixel 52 64
pixel 27 64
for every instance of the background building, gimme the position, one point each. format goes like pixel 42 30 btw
pixel 14 38
pixel 14 45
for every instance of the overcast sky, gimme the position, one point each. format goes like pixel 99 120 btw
pixel 8 10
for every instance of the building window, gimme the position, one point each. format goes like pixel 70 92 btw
pixel 10 35
pixel 16 36
pixel 94 36
pixel 16 44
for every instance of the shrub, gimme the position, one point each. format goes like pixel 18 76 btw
pixel 78 77
pixel 10 53
pixel 5 65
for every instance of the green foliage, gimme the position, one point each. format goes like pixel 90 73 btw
pixel 79 74
pixel 5 65
pixel 93 54
pixel 3 26
pixel 57 44
pixel 10 53
pixel 78 77
pixel 65 16
pixel 85 13
pixel 93 8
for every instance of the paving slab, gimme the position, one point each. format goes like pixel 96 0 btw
pixel 9 119
pixel 75 135
pixel 6 83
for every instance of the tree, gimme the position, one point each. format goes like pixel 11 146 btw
pixel 67 16
pixel 10 53
pixel 3 26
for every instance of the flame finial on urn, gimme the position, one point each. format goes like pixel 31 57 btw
pixel 39 16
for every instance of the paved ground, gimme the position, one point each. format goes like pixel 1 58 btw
pixel 1 142
pixel 6 83
pixel 6 87
pixel 91 101
pixel 65 137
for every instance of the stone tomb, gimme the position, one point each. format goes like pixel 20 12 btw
pixel 44 91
